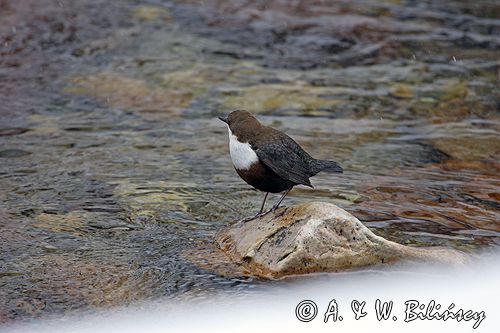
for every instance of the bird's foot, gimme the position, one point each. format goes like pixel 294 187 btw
pixel 273 209
pixel 246 219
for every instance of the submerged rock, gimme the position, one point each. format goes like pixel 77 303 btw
pixel 316 237
pixel 132 94
pixel 151 13
pixel 272 97
pixel 13 153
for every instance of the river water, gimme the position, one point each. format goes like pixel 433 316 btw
pixel 114 168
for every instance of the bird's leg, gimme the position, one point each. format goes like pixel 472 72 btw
pixel 281 199
pixel 259 214
pixel 263 203
pixel 278 203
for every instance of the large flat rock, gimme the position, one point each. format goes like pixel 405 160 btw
pixel 316 237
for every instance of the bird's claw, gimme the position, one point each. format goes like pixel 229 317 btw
pixel 246 219
pixel 272 209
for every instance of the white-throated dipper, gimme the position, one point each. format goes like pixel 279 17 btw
pixel 268 159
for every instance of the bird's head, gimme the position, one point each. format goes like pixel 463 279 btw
pixel 240 122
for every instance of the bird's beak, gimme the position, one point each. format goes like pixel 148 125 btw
pixel 223 119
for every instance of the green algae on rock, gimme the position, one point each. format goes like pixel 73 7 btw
pixel 151 13
pixel 402 91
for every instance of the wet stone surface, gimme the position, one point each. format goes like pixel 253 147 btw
pixel 114 168
pixel 317 237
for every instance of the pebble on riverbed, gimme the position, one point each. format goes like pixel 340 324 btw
pixel 316 237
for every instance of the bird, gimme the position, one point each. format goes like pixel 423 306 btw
pixel 268 159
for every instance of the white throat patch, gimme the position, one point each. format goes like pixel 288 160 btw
pixel 242 154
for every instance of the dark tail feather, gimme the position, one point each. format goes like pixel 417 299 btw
pixel 325 166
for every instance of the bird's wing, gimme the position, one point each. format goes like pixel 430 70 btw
pixel 286 158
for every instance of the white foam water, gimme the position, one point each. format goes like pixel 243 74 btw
pixel 422 296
